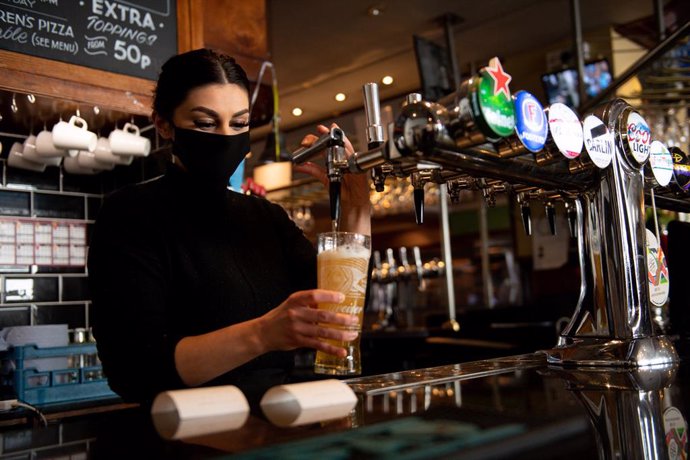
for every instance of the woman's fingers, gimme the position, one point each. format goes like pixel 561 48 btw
pixel 314 296
pixel 314 170
pixel 324 347
pixel 321 332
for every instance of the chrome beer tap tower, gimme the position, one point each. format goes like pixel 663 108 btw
pixel 483 138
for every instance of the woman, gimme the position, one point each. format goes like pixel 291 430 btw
pixel 193 284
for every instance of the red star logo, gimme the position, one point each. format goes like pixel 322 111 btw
pixel 500 78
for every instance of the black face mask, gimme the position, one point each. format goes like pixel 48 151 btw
pixel 210 158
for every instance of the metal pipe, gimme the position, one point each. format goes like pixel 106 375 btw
pixel 364 161
pixel 520 170
pixel 578 44
pixel 659 17
pixel 487 282
pixel 372 111
pixel 450 43
pixel 447 256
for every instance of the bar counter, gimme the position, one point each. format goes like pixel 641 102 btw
pixel 512 407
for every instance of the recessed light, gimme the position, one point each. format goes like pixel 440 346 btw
pixel 387 80
pixel 297 111
pixel 340 97
pixel 376 10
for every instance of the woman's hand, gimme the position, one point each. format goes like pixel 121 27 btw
pixel 354 193
pixel 297 323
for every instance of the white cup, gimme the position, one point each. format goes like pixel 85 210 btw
pixel 30 153
pixel 71 166
pixel 74 134
pixel 104 154
pixel 128 141
pixel 16 159
pixel 45 146
pixel 88 160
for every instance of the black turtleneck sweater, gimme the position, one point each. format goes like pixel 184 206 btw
pixel 169 259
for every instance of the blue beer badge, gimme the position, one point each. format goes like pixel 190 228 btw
pixel 531 125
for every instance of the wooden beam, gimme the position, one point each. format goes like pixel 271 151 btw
pixel 45 77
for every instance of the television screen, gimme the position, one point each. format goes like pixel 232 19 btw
pixel 562 86
pixel 435 70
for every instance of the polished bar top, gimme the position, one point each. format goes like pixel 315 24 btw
pixel 513 407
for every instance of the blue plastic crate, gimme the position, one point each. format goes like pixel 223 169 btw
pixel 71 384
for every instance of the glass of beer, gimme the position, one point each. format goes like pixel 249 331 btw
pixel 343 263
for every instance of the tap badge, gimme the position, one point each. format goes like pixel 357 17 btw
pixel 598 141
pixel 657 271
pixel 661 162
pixel 676 430
pixel 530 121
pixel 681 170
pixel 566 130
pixel 494 99
pixel 639 137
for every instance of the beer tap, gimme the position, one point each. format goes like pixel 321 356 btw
pixel 550 211
pixel 525 212
pixel 419 269
pixel 405 288
pixel 571 213
pixel 334 143
pixel 418 195
pixel 378 176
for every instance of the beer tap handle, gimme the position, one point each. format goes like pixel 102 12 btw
pixel 377 259
pixel 333 137
pixel 419 205
pixel 551 216
pixel 379 179
pixel 403 256
pixel 526 214
pixel 418 196
pixel 390 258
pixel 372 110
pixel 334 196
pixel 571 212
pixel 419 268
pixel 335 157
pixel 404 262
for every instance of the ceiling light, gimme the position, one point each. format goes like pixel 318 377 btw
pixel 387 80
pixel 340 97
pixel 297 111
pixel 376 10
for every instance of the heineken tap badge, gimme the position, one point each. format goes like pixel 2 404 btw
pixel 495 103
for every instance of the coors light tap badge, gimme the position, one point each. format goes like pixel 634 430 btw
pixel 495 102
pixel 639 137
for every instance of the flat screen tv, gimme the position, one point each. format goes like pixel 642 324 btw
pixel 562 85
pixel 435 70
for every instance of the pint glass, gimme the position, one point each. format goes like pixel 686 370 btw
pixel 343 262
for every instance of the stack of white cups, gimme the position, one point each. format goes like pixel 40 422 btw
pixel 83 152
pixel 119 148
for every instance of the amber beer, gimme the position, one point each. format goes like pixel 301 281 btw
pixel 343 261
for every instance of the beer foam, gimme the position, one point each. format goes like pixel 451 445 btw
pixel 347 250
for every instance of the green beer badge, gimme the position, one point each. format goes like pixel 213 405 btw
pixel 495 103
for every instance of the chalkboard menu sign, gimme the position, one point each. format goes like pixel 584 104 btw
pixel 132 37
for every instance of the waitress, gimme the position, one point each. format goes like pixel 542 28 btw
pixel 193 284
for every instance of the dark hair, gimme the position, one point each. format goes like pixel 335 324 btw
pixel 184 72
